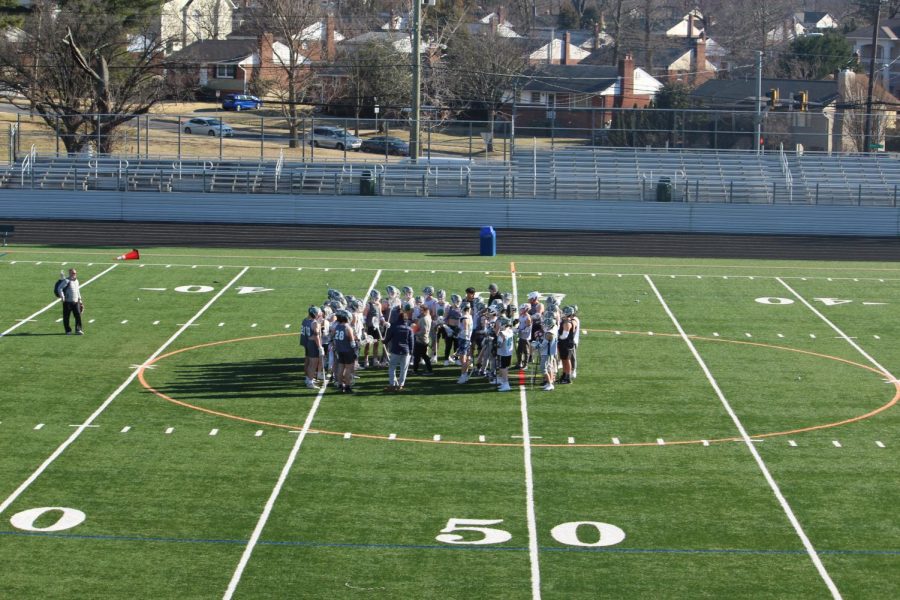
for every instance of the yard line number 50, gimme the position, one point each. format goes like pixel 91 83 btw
pixel 477 533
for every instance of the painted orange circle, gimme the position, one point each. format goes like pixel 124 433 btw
pixel 892 402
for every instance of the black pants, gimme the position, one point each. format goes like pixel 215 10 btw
pixel 420 353
pixel 71 308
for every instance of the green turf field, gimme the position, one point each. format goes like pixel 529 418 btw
pixel 732 433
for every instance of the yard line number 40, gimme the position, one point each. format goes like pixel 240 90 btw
pixel 477 533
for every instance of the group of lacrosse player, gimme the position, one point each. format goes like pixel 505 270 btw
pixel 483 337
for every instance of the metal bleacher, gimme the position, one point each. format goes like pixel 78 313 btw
pixel 574 173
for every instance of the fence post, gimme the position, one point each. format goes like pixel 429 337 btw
pixel 859 195
pixel 895 194
pixel 817 192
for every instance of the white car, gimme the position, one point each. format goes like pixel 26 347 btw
pixel 208 126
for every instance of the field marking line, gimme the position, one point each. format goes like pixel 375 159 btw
pixel 282 477
pixel 55 302
pixel 87 423
pixel 837 330
pixel 788 511
pixel 529 472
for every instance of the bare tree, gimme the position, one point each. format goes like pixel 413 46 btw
pixel 83 71
pixel 289 23
pixel 482 70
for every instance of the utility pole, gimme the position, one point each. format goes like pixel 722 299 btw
pixel 867 131
pixel 758 129
pixel 416 81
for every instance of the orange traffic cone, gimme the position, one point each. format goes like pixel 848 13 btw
pixel 133 255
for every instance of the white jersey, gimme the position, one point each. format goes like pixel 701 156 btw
pixel 524 328
pixel 505 342
pixel 576 328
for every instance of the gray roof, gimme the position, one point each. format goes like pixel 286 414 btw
pixel 570 78
pixel 232 50
pixel 890 29
pixel 737 92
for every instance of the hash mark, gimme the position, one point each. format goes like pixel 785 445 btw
pixel 348 435
pixel 169 430
pixel 780 335
pixel 481 438
pixel 879 444
pixel 571 440
pixel 437 437
pixel 126 429
pixel 392 436
pixel 705 442
pixel 792 443
pixel 258 433
pixel 836 443
pixel 214 432
pixel 661 441
pixel 748 335
pixel 38 426
pixel 616 441
pixel 156 322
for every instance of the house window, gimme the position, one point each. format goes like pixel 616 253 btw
pixel 580 101
pixel 226 71
pixel 535 98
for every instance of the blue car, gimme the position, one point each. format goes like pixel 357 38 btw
pixel 240 102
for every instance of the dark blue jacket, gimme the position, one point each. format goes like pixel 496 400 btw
pixel 399 338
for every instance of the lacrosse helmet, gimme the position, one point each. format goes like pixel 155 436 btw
pixel 441 294
pixel 428 290
pixel 534 295
pixel 568 311
pixel 392 291
pixel 374 295
pixel 492 288
pixel 314 311
pixel 455 299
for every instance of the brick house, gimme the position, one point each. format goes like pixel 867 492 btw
pixel 579 96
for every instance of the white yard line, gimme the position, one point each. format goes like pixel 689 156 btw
pixel 56 453
pixel 55 302
pixel 529 477
pixel 840 333
pixel 282 477
pixel 807 544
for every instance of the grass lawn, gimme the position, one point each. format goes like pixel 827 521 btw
pixel 732 433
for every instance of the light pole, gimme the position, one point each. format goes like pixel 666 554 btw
pixel 867 131
pixel 414 149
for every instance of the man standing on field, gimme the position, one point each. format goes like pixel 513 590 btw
pixel 69 290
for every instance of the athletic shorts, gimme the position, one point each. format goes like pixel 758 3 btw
pixel 312 351
pixel 374 332
pixel 504 362
pixel 565 350
pixel 347 358
pixel 462 346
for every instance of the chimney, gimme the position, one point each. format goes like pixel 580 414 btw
pixel 564 58
pixel 699 61
pixel 626 82
pixel 493 24
pixel 595 41
pixel 266 53
pixel 501 15
pixel 330 48
pixel 690 25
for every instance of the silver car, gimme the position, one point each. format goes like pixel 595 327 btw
pixel 334 137
pixel 208 126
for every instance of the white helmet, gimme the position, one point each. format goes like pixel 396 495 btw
pixel 392 291
pixel 428 290
pixel 375 295
pixel 455 299
pixel 524 306
pixel 534 295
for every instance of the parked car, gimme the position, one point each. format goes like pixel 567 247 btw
pixel 385 144
pixel 240 102
pixel 334 137
pixel 208 126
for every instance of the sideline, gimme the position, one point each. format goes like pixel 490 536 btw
pixel 78 431
pixel 810 550
pixel 54 303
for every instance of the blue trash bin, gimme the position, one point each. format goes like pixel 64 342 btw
pixel 488 241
